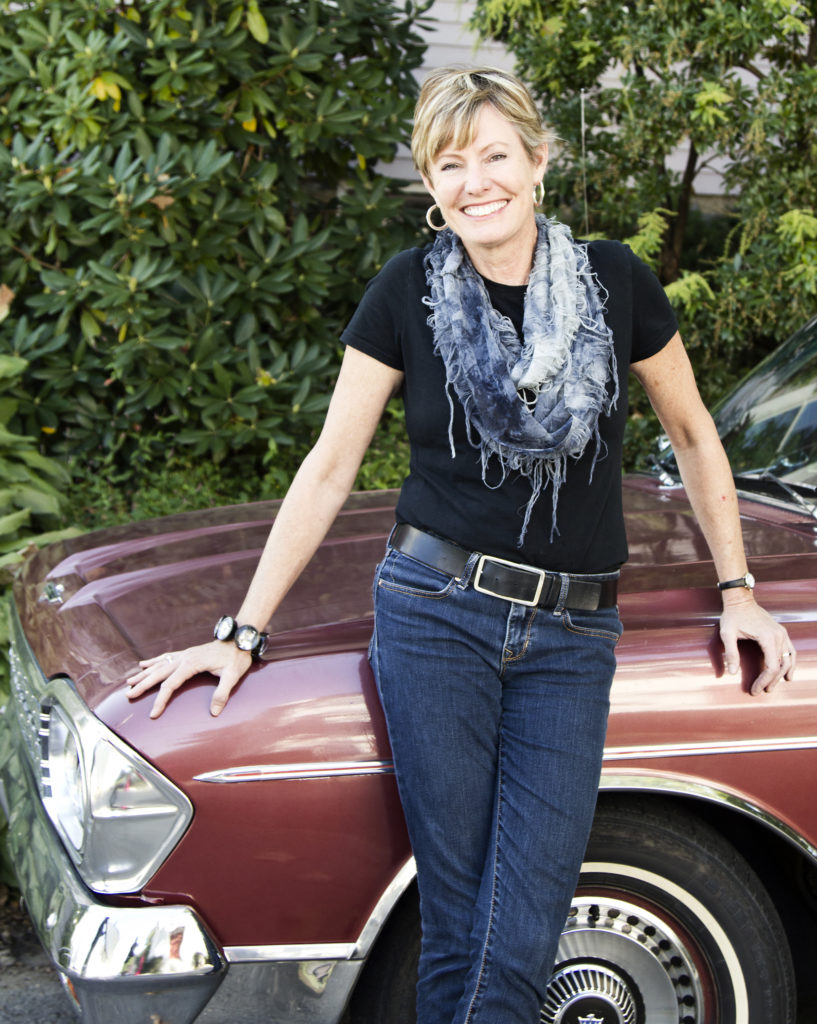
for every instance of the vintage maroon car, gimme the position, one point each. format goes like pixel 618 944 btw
pixel 256 867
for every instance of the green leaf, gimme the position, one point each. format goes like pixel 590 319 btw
pixel 11 366
pixel 90 325
pixel 11 524
pixel 256 23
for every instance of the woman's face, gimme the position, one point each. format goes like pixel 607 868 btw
pixel 485 191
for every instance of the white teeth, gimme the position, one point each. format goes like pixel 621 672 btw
pixel 484 211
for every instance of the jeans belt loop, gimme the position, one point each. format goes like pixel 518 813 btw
pixel 470 571
pixel 564 587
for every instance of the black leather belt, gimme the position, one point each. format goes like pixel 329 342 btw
pixel 511 581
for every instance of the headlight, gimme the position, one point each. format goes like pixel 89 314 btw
pixel 117 816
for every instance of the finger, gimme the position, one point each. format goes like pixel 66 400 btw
pixel 766 681
pixel 166 691
pixel 155 673
pixel 783 666
pixel 731 656
pixel 777 667
pixel 789 663
pixel 171 657
pixel 137 686
pixel 148 665
pixel 221 694
pixel 143 682
pixel 145 679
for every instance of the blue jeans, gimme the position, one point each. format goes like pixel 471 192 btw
pixel 497 714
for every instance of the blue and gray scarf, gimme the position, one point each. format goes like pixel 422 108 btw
pixel 534 403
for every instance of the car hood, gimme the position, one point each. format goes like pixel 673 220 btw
pixel 92 607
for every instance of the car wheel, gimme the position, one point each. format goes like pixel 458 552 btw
pixel 669 925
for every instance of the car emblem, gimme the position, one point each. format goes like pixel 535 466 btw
pixel 592 1019
pixel 53 592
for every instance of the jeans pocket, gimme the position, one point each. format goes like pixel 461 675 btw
pixel 603 623
pixel 402 574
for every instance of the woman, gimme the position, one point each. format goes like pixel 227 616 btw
pixel 495 608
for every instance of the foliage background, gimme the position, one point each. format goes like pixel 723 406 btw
pixel 187 213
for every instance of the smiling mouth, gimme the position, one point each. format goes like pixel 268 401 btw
pixel 485 209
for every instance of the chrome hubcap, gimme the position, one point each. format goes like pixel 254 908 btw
pixel 618 963
pixel 589 995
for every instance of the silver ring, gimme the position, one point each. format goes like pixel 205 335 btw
pixel 168 658
pixel 787 654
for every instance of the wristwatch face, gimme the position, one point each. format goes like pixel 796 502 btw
pixel 749 581
pixel 247 638
pixel 225 627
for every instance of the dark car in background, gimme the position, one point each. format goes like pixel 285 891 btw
pixel 255 867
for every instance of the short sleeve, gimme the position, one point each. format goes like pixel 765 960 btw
pixel 378 323
pixel 654 320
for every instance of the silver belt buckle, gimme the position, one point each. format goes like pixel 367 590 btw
pixel 534 601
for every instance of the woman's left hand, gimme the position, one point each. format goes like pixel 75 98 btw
pixel 170 671
pixel 746 620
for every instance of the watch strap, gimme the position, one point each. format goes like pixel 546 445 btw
pixel 746 581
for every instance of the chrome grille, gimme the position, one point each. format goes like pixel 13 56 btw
pixel 27 687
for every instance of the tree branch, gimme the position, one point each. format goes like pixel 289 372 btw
pixel 753 69
pixel 674 247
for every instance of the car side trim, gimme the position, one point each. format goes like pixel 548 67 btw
pixel 307 770
pixel 308 952
pixel 335 769
pixel 766 745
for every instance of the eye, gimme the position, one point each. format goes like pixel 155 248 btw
pixel 449 165
pixel 494 157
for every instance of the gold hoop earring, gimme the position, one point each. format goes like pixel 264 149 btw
pixel 539 193
pixel 430 222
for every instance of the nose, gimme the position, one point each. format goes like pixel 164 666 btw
pixel 476 180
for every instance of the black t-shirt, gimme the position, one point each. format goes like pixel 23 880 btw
pixel 447 496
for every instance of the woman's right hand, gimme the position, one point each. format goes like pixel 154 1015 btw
pixel 169 671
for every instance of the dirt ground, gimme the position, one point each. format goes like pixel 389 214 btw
pixel 29 989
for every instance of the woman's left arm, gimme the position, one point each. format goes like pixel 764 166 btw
pixel 670 385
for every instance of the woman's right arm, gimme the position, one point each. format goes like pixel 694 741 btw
pixel 316 495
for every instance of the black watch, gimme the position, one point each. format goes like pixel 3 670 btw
pixel 249 639
pixel 225 628
pixel 747 582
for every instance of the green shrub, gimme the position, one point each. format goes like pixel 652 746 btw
pixel 32 504
pixel 31 508
pixel 386 463
pixel 32 489
pixel 189 212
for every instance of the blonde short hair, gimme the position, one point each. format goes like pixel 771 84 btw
pixel 450 101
